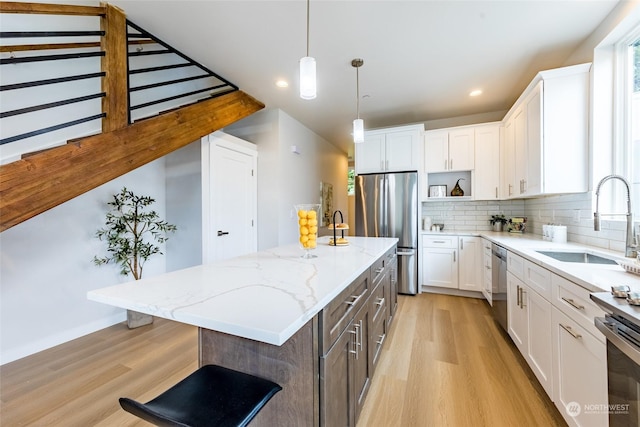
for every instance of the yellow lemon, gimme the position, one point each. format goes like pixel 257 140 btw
pixel 304 230
pixel 311 244
pixel 311 214
pixel 312 237
pixel 302 214
pixel 313 229
pixel 302 221
pixel 313 222
pixel 304 239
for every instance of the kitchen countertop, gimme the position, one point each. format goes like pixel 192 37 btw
pixel 266 296
pixel 593 277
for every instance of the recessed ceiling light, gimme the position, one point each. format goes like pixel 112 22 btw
pixel 475 92
pixel 282 83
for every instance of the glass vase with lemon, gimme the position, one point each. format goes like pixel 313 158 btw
pixel 308 215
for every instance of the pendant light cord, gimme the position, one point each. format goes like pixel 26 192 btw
pixel 358 92
pixel 308 27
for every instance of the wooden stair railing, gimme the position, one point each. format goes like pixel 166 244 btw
pixel 40 182
pixel 45 179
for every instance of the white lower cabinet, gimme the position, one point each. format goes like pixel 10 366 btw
pixel 580 370
pixel 550 320
pixel 487 271
pixel 539 354
pixel 529 320
pixel 453 262
pixel 470 275
pixel 516 315
pixel 440 267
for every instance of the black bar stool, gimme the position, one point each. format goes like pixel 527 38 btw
pixel 211 396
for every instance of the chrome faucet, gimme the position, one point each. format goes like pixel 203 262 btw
pixel 630 246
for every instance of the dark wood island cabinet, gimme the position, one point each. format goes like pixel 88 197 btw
pixel 316 327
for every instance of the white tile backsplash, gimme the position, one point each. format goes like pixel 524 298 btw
pixel 470 215
pixel 573 210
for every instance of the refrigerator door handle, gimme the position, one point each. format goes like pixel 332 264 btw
pixel 382 229
pixel 406 252
pixel 385 209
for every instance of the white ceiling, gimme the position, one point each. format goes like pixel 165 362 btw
pixel 421 58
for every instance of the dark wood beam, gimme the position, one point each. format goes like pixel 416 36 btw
pixel 40 182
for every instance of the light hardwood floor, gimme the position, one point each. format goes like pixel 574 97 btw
pixel 445 363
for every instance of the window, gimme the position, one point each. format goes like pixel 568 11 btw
pixel 627 145
pixel 351 182
pixel 634 149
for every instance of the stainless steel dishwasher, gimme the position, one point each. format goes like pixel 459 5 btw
pixel 499 284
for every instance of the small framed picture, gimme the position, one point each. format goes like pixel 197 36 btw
pixel 437 191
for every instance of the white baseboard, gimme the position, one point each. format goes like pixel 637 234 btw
pixel 449 291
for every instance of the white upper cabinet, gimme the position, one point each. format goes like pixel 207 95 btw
pixel 507 165
pixel 486 179
pixel 390 150
pixel 449 150
pixel 549 130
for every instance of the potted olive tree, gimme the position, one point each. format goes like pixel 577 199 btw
pixel 132 233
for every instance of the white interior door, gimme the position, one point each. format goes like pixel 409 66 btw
pixel 230 223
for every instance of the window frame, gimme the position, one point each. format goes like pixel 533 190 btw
pixel 623 161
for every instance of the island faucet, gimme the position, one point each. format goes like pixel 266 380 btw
pixel 630 246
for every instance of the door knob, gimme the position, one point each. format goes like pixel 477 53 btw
pixel 222 233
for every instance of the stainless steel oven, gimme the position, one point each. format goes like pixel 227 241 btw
pixel 623 369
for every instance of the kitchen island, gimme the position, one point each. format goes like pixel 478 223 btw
pixel 273 314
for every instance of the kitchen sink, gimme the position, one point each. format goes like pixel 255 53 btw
pixel 581 257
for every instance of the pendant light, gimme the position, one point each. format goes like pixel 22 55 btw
pixel 307 70
pixel 358 123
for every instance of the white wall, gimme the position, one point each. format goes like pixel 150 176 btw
pixel 46 268
pixel 286 178
pixel 184 206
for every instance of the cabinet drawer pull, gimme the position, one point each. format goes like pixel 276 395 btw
pixel 380 302
pixel 568 329
pixel 518 296
pixel 381 341
pixel 462 244
pixel 355 341
pixel 355 300
pixel 488 267
pixel 454 256
pixel 445 164
pixel 360 329
pixel 451 164
pixel 496 192
pixel 378 270
pixel 572 303
pixel 439 241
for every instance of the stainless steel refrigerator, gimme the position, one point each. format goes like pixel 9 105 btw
pixel 387 206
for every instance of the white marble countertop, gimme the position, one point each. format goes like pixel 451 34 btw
pixel 266 296
pixel 593 277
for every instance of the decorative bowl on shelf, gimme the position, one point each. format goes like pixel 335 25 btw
pixel 308 215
